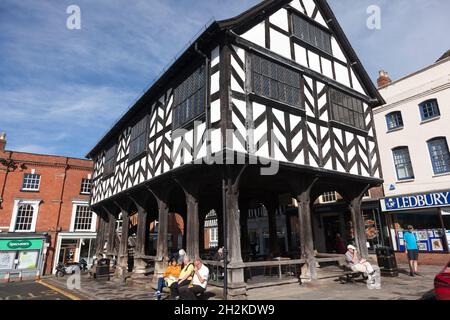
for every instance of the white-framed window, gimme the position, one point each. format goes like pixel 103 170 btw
pixel 328 197
pixel 86 186
pixel 83 218
pixel 31 182
pixel 24 215
pixel 213 237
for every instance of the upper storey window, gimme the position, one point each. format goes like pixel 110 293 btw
pixel 394 120
pixel 31 182
pixel 312 34
pixel 110 161
pixel 275 81
pixel 189 98
pixel 440 156
pixel 347 110
pixel 138 139
pixel 429 110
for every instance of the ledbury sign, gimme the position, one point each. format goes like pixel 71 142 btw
pixel 417 201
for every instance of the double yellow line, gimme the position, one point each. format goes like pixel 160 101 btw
pixel 64 293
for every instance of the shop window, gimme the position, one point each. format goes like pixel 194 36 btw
pixel 347 110
pixel 394 120
pixel 275 81
pixel 440 157
pixel 138 141
pixel 84 218
pixel 312 34
pixel 31 182
pixel 402 162
pixel 86 186
pixel 429 110
pixel 189 98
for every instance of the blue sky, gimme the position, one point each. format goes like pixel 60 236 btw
pixel 62 89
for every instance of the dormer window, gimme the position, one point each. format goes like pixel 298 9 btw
pixel 394 120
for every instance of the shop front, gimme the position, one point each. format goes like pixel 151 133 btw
pixel 72 247
pixel 21 257
pixel 429 214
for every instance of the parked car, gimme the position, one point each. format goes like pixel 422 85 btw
pixel 442 284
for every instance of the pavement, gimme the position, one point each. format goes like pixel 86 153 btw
pixel 403 287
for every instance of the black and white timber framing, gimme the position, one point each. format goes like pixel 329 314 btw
pixel 316 152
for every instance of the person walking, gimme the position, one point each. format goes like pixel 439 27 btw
pixel 412 250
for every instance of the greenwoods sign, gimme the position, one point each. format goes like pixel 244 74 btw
pixel 20 244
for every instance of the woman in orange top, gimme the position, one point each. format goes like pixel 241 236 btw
pixel 170 276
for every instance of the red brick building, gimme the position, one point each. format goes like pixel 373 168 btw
pixel 44 212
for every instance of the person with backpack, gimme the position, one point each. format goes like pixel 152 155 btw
pixel 185 278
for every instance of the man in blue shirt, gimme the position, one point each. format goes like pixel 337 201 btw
pixel 412 250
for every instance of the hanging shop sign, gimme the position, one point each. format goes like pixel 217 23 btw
pixel 418 201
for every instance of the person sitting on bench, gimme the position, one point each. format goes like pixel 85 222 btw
pixel 356 263
pixel 198 284
pixel 169 277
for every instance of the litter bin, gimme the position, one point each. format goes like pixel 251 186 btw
pixel 102 269
pixel 387 262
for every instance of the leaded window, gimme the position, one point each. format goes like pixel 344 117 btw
pixel 403 164
pixel 138 139
pixel 347 109
pixel 86 186
pixel 429 110
pixel 110 161
pixel 24 218
pixel 31 182
pixel 439 154
pixel 394 120
pixel 83 218
pixel 275 81
pixel 189 98
pixel 312 34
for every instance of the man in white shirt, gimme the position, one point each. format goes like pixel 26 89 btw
pixel 198 284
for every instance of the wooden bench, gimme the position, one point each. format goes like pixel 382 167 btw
pixel 350 276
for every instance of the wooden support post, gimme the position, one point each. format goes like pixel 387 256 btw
pixel 122 269
pixel 355 198
pixel 111 232
pixel 235 269
pixel 101 234
pixel 302 191
pixel 140 265
pixel 192 230
pixel 162 250
pixel 191 189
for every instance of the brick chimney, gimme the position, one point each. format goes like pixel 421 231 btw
pixel 2 141
pixel 383 79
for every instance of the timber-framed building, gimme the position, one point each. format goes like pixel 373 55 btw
pixel 279 83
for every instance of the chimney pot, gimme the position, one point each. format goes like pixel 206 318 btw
pixel 2 141
pixel 383 79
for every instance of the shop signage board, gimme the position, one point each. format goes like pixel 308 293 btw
pixel 417 201
pixel 20 244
